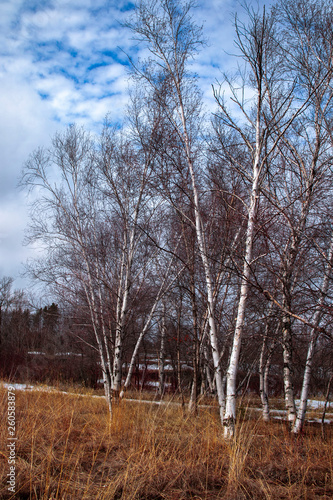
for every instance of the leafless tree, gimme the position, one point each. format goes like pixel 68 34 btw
pixel 5 296
pixel 172 38
pixel 248 143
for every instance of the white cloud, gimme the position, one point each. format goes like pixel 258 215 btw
pixel 13 221
pixel 50 76
pixel 25 123
pixel 60 61
pixel 82 38
pixel 104 74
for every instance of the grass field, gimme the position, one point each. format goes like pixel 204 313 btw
pixel 67 448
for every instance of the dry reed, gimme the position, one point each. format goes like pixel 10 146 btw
pixel 67 448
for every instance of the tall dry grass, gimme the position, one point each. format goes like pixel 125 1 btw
pixel 67 448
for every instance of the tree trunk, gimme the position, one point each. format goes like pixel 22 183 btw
pixel 263 376
pixel 179 367
pixel 230 411
pixel 287 364
pixel 203 255
pixel 161 359
pixel 192 406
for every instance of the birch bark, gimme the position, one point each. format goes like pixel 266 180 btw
pixel 161 358
pixel 230 410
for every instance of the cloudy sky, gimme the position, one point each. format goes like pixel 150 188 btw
pixel 63 61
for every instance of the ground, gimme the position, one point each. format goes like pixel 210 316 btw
pixel 68 448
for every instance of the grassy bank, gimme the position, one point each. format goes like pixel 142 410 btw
pixel 67 448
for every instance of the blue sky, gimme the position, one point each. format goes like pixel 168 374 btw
pixel 61 62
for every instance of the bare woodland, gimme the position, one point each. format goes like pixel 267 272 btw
pixel 206 238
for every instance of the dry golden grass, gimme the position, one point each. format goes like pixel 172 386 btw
pixel 67 448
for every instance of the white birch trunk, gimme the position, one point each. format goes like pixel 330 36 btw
pixel 103 352
pixel 192 405
pixel 105 368
pixel 90 295
pixel 208 278
pixel 121 311
pixel 161 358
pixel 207 370
pixel 230 411
pixel 123 293
pixel 263 365
pixel 179 366
pixel 107 363
pixel 287 368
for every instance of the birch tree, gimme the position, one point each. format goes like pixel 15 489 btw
pixel 314 335
pixel 91 232
pixel 264 109
pixel 308 29
pixel 304 159
pixel 61 222
pixel 123 180
pixel 161 357
pixel 166 29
